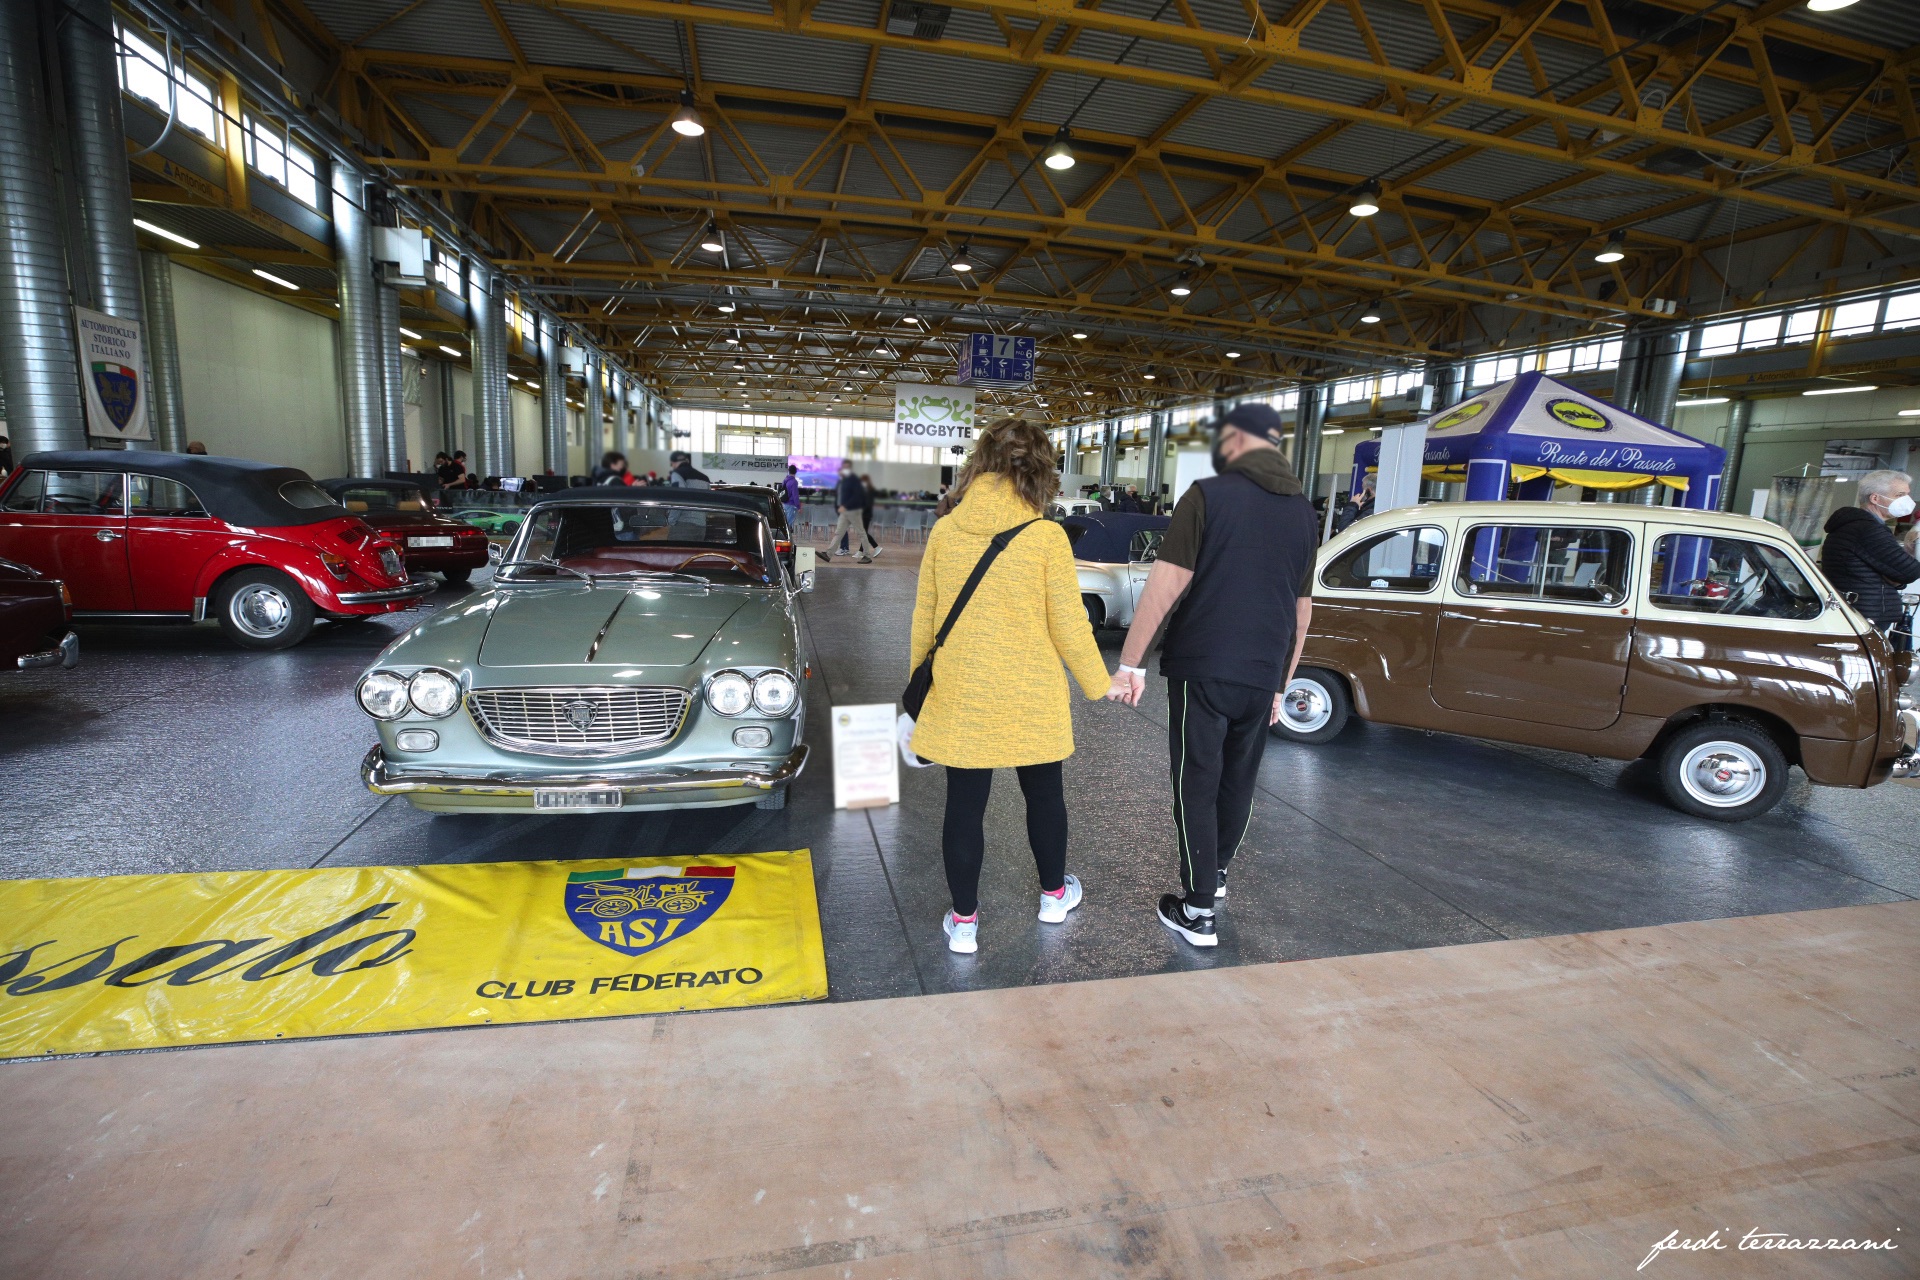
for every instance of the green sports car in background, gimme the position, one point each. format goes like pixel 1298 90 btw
pixel 632 652
pixel 494 522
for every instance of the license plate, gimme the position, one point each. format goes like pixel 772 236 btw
pixel 429 542
pixel 597 798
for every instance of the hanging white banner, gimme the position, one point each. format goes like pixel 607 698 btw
pixel 932 415
pixel 114 371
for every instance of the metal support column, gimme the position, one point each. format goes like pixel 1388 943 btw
pixel 1627 374
pixel 1665 362
pixel 1109 452
pixel 361 390
pixel 1156 455
pixel 1739 418
pixel 108 252
pixel 39 357
pixel 617 393
pixel 492 427
pixel 393 391
pixel 553 397
pixel 449 411
pixel 166 397
pixel 1312 420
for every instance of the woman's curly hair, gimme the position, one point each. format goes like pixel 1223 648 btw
pixel 1020 451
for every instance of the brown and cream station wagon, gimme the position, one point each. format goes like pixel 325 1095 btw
pixel 1709 643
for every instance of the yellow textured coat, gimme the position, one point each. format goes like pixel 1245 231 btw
pixel 999 697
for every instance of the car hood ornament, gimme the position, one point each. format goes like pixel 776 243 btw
pixel 581 713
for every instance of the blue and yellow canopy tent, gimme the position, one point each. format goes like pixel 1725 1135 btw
pixel 1539 432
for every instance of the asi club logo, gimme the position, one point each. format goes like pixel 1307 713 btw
pixel 635 910
pixel 1575 414
pixel 119 389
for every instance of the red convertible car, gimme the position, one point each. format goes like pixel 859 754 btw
pixel 34 610
pixel 143 536
pixel 428 541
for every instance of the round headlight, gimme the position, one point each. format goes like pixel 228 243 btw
pixel 774 692
pixel 434 693
pixel 383 695
pixel 730 693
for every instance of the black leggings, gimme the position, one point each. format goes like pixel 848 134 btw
pixel 964 838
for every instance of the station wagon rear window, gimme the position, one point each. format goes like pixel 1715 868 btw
pixel 1400 560
pixel 1567 565
pixel 1730 577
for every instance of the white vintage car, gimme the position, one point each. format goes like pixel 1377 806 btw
pixel 1062 507
pixel 1112 553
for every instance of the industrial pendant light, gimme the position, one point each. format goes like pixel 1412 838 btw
pixel 1366 201
pixel 1371 315
pixel 1059 153
pixel 961 262
pixel 1614 250
pixel 712 242
pixel 1828 6
pixel 686 121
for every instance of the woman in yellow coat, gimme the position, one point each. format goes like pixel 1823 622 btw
pixel 999 697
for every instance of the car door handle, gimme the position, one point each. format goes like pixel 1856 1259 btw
pixel 106 535
pixel 1458 617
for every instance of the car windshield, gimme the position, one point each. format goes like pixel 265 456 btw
pixel 360 500
pixel 657 539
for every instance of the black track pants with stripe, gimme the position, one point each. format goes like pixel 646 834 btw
pixel 1217 733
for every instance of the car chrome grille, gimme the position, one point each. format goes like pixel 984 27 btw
pixel 578 721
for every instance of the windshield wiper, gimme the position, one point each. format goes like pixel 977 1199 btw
pixel 540 564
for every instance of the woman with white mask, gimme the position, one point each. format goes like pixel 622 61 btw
pixel 1863 558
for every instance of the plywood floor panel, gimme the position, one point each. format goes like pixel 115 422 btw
pixel 1547 1107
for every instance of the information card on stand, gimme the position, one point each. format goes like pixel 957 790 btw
pixel 866 769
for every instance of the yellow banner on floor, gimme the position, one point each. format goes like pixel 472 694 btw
pixel 140 962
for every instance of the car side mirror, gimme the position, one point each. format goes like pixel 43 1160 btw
pixel 495 553
pixel 806 582
pixel 803 568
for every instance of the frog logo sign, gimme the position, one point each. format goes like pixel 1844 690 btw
pixel 1464 414
pixel 1575 414
pixel 635 910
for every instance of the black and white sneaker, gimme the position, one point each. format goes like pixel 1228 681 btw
pixel 1197 929
pixel 1220 887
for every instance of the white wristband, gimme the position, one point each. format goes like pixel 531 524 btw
pixel 1138 671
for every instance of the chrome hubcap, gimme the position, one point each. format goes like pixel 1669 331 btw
pixel 261 610
pixel 1305 706
pixel 1723 774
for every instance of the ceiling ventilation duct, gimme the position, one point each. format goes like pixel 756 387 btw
pixel 921 21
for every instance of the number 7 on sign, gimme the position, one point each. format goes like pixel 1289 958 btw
pixel 1004 347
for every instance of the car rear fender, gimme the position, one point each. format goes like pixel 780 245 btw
pixel 251 551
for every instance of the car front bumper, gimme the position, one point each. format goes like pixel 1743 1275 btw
pixel 654 786
pixel 64 654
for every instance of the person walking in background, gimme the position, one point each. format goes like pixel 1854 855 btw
pixel 612 469
pixel 6 455
pixel 790 496
pixel 999 698
pixel 683 474
pixel 1862 558
pixel 867 495
pixel 847 501
pixel 1235 571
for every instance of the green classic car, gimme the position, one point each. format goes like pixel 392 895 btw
pixel 493 521
pixel 635 650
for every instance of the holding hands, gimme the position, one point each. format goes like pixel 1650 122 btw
pixel 1127 686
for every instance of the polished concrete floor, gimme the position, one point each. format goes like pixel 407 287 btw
pixel 169 750
pixel 1546 1109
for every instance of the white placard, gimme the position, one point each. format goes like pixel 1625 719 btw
pixel 932 415
pixel 113 370
pixel 866 769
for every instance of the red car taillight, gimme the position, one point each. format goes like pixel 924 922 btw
pixel 336 565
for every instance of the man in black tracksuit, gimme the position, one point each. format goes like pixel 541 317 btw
pixel 1235 571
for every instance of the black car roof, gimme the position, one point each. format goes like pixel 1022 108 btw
pixel 631 495
pixel 237 490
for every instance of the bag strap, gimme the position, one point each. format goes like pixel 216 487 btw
pixel 994 548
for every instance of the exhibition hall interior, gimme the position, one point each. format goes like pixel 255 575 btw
pixel 1006 638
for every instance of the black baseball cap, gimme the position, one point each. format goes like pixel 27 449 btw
pixel 680 455
pixel 1254 418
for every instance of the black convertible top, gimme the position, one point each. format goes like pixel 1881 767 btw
pixel 237 490
pixel 628 495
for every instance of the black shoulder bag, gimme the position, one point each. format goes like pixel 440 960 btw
pixel 921 683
